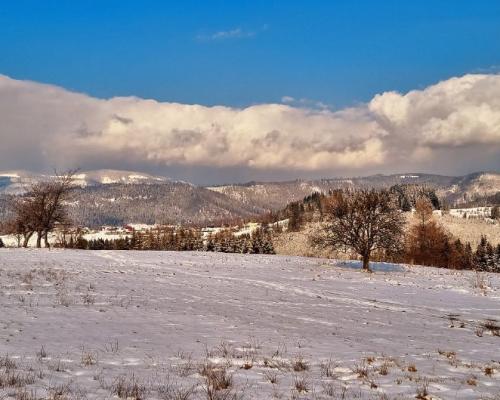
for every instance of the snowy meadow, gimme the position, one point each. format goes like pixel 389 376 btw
pixel 194 325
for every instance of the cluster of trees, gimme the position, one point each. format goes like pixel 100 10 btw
pixel 428 243
pixel 313 206
pixel 407 196
pixel 258 242
pixel 180 239
pixel 39 210
pixel 487 258
pixel 371 224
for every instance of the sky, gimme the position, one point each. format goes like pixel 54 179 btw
pixel 223 91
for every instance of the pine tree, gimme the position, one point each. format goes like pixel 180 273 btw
pixel 468 256
pixel 481 258
pixel 490 257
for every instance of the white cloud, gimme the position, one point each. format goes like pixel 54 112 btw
pixel 287 99
pixel 44 126
pixel 236 33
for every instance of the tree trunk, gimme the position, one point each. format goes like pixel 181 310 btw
pixel 39 239
pixel 27 238
pixel 46 239
pixel 366 263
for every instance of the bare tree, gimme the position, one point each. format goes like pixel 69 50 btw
pixel 364 221
pixel 22 224
pixel 41 208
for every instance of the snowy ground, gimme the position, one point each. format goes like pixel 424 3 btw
pixel 167 325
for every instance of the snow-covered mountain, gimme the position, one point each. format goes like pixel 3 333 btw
pixel 450 188
pixel 118 197
pixel 14 182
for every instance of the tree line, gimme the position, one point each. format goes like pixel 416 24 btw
pixel 179 239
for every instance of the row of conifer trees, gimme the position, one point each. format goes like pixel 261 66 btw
pixel 181 239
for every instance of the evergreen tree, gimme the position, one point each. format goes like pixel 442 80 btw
pixel 495 212
pixel 481 256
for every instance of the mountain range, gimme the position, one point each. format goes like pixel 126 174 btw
pixel 113 197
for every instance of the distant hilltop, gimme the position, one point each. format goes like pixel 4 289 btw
pixel 114 197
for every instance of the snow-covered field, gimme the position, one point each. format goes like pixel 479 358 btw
pixel 167 325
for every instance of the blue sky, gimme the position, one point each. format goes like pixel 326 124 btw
pixel 239 53
pixel 365 87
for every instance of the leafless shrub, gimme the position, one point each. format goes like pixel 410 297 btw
pixel 370 360
pixel 176 392
pixel 327 368
pixel 280 351
pixel 277 363
pixel 63 298
pixel 17 379
pixel 186 368
pixel 218 382
pixel 248 364
pixel 129 388
pixel 216 376
pixel 24 394
pixel 422 392
pixel 447 354
pixel 489 370
pixel 210 352
pixel 225 349
pixel 299 364
pixel 7 362
pixel 27 278
pixel 112 347
pixel 251 348
pixel 301 384
pixel 361 369
pixel 271 376
pixel 329 389
pixel 88 299
pixel 41 354
pixel 480 282
pixel 59 392
pixel 56 366
pixel 491 326
pixel 88 358
pixel 384 368
pixel 471 381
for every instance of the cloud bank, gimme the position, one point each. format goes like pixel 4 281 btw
pixel 447 127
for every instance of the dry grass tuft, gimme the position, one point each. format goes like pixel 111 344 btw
pixel 301 384
pixel 299 364
pixel 216 377
pixel 327 368
pixel 271 376
pixel 361 369
pixel 88 358
pixel 129 388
